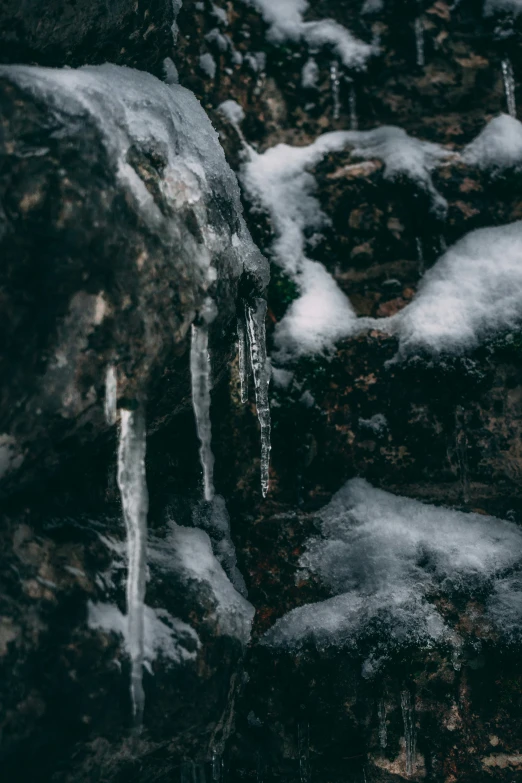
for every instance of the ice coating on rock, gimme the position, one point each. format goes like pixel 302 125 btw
pixel 135 503
pixel 285 23
pixel 384 557
pixel 472 293
pixel 200 373
pixel 188 552
pixel 255 321
pixel 497 147
pixel 134 109
pixel 164 636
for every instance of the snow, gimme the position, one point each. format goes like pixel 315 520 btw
pixel 310 74
pixel 472 293
pixel 376 423
pixel 385 558
pixel 208 65
pixel 164 636
pixel 188 552
pixel 285 23
pixel 497 147
pixel 232 111
pixel 496 6
pixel 135 109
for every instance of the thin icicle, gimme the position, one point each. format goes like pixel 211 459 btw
pixel 200 375
pixel 420 255
pixel 419 42
pixel 243 358
pixel 135 502
pixel 303 749
pixel 216 766
pixel 508 78
pixel 383 729
pixel 111 394
pixel 408 717
pixel 255 318
pixel 336 85
pixel 352 101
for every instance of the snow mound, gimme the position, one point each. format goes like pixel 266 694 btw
pixel 497 147
pixel 285 23
pixel 385 558
pixel 472 293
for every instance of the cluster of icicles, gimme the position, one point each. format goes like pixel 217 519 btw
pixel 131 458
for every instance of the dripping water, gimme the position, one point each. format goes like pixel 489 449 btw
pixel 135 502
pixel 352 102
pixel 419 42
pixel 420 255
pixel 383 730
pixel 508 78
pixel 111 394
pixel 243 359
pixel 201 383
pixel 408 717
pixel 255 319
pixel 336 84
pixel 303 750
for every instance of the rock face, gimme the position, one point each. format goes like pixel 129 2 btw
pixel 137 34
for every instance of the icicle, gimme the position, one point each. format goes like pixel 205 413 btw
pixel 352 101
pixel 383 730
pixel 420 255
pixel 135 503
pixel 200 375
pixel 216 766
pixel 255 318
pixel 303 750
pixel 243 359
pixel 508 77
pixel 408 717
pixel 419 42
pixel 336 83
pixel 111 394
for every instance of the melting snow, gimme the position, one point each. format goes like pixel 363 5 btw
pixel 385 558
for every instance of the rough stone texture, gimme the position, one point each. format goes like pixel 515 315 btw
pixel 138 34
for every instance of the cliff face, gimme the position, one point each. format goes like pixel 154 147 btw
pixel 368 144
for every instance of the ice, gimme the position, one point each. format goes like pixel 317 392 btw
pixel 188 552
pixel 111 392
pixel 133 109
pixel 419 42
pixel 310 74
pixel 170 71
pixel 508 78
pixel 208 65
pixel 135 503
pixel 242 349
pixel 352 105
pixel 255 320
pixel 384 558
pixel 200 373
pixel 472 293
pixel 285 23
pixel 164 636
pixel 303 750
pixel 497 147
pixel 408 717
pixel 420 255
pixel 336 84
pixel 383 727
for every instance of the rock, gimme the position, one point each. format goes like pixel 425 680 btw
pixel 59 33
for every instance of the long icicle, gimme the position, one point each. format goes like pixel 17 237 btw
pixel 201 382
pixel 508 77
pixel 111 395
pixel 255 319
pixel 243 359
pixel 135 501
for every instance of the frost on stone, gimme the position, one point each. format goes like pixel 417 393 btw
pixel 498 147
pixel 385 558
pixel 134 110
pixel 165 637
pixel 473 293
pixel 188 552
pixel 286 23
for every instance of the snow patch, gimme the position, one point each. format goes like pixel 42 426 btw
pixel 497 147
